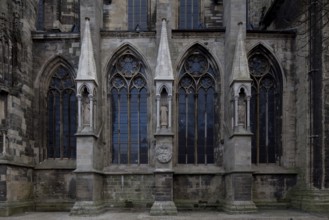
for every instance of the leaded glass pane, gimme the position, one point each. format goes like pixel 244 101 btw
pixel 265 109
pixel 61 115
pixel 129 111
pixel 191 123
pixel 189 14
pixel 196 106
pixel 137 15
pixel 143 127
pixel 202 117
pixel 182 126
pixel 210 119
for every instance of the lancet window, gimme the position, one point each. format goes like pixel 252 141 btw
pixel 265 109
pixel 62 111
pixel 129 119
pixel 196 110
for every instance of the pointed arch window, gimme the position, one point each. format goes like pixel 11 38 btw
pixel 265 108
pixel 196 110
pixel 62 108
pixel 128 97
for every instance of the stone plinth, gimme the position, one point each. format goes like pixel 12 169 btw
pixel 163 176
pixel 163 204
pixel 238 178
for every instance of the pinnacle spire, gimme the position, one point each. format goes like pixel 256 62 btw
pixel 163 70
pixel 240 67
pixel 87 64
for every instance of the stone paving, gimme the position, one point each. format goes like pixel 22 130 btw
pixel 211 215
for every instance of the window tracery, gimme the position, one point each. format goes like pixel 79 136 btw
pixel 128 92
pixel 62 109
pixel 196 110
pixel 265 115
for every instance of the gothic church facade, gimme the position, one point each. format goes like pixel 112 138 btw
pixel 163 105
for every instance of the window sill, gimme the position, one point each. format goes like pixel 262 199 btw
pixel 42 35
pixel 127 34
pixel 128 169
pixel 263 169
pixel 60 164
pixel 198 169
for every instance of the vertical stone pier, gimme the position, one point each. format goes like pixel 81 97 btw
pixel 164 204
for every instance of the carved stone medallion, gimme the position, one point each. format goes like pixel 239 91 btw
pixel 163 153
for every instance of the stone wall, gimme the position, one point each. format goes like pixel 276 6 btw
pixel 58 16
pixel 256 10
pixel 17 20
pixel 129 191
pixel 213 14
pixel 198 192
pixel 272 191
pixel 54 190
pixel 16 189
pixel 62 50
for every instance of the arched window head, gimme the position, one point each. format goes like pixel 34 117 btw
pixel 128 97
pixel 265 108
pixel 62 107
pixel 196 110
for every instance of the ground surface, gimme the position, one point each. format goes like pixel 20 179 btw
pixel 266 215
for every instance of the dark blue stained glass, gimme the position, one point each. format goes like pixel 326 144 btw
pixel 196 102
pixel 262 126
pixel 201 125
pixel 115 109
pixel 143 127
pixel 253 124
pixel 115 125
pixel 129 137
pixel 57 107
pixel 123 126
pixel 62 115
pixel 189 14
pixel 134 126
pixel 144 151
pixel 66 123
pixel 271 126
pixel 40 20
pixel 73 125
pixel 190 128
pixel 137 14
pixel 182 15
pixel 267 106
pixel 210 125
pixel 123 152
pixel 181 126
pixel 51 135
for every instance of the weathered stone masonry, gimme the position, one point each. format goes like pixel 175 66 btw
pixel 88 41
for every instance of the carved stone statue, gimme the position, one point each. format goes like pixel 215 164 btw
pixel 242 111
pixel 85 111
pixel 164 116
